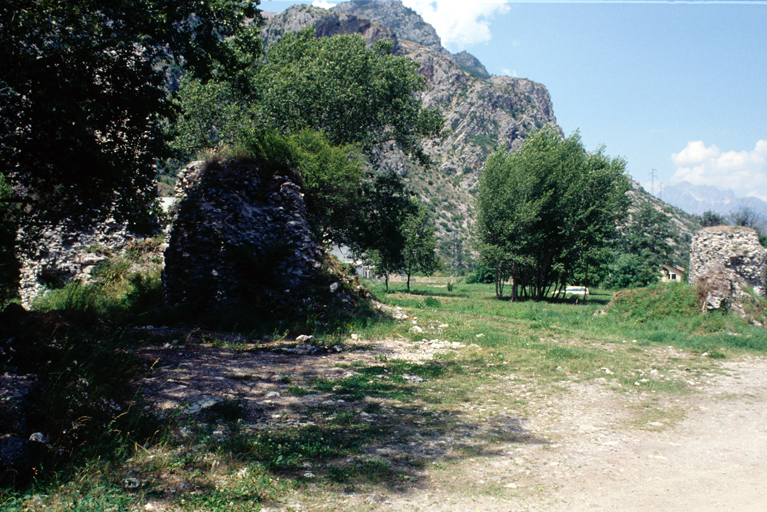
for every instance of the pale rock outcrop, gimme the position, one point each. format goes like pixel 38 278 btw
pixel 723 261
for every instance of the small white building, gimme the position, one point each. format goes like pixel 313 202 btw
pixel 671 273
pixel 344 255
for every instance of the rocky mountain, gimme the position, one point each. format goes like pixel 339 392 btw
pixel 700 198
pixel 403 21
pixel 482 111
pixel 407 24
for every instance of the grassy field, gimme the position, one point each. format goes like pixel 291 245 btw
pixel 401 421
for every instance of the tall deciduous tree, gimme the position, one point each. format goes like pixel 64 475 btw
pixel 83 96
pixel 419 250
pixel 545 208
pixel 354 94
pixel 643 247
pixel 377 230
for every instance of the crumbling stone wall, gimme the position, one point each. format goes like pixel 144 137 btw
pixel 239 234
pixel 65 253
pixel 724 260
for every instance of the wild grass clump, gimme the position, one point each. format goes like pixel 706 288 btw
pixel 122 288
pixel 656 302
pixel 84 398
pixel 671 314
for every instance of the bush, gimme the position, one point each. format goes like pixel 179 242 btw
pixel 116 292
pixel 482 274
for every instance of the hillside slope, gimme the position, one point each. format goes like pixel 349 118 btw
pixel 482 112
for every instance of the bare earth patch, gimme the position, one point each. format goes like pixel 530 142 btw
pixel 575 446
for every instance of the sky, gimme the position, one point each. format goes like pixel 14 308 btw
pixel 677 88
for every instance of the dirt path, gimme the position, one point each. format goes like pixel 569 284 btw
pixel 715 459
pixel 587 447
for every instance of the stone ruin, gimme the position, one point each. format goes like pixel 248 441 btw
pixel 239 234
pixel 64 253
pixel 724 260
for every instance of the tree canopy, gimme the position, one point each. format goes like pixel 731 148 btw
pixel 546 207
pixel 377 232
pixel 336 85
pixel 354 94
pixel 83 96
pixel 642 249
pixel 420 244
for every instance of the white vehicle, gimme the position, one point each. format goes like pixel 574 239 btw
pixel 576 291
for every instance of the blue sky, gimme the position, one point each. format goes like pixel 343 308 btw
pixel 679 87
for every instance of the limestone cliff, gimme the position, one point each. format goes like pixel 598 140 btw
pixel 481 111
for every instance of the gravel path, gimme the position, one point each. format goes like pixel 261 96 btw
pixel 591 446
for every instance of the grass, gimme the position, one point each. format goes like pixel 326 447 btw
pixel 382 426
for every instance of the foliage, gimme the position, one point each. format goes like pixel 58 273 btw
pixel 83 95
pixel 9 265
pixel 711 218
pixel 335 85
pixel 643 248
pixel 546 209
pixel 215 110
pixel 354 94
pixel 746 217
pixel 116 290
pixel 330 175
pixel 482 275
pixel 210 115
pixel 378 231
pixel 419 250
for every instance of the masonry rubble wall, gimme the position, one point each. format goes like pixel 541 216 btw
pixel 239 233
pixel 63 253
pixel 724 260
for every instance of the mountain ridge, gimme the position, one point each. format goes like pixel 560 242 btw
pixel 697 199
pixel 482 112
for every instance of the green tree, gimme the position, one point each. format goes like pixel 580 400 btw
pixel 746 217
pixel 644 246
pixel 545 208
pixel 378 231
pixel 420 245
pixel 330 176
pixel 354 94
pixel 83 97
pixel 710 218
pixel 216 110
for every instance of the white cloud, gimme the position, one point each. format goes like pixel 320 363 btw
pixel 509 72
pixel 459 23
pixel 323 4
pixel 745 172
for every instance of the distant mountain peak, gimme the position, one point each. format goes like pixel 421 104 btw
pixel 697 199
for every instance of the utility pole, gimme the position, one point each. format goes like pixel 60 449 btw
pixel 652 182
